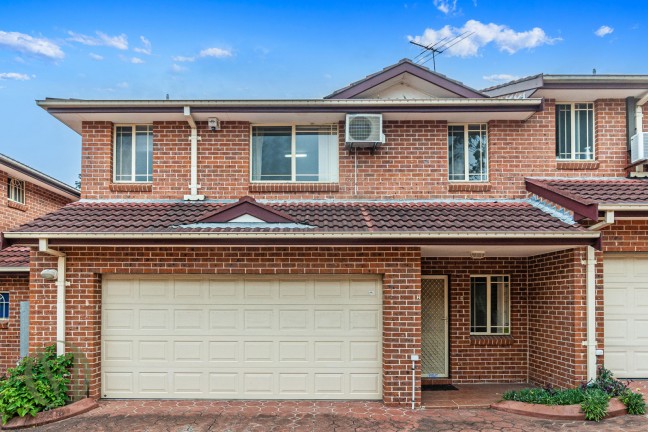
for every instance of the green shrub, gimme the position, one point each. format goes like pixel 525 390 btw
pixel 546 396
pixel 634 402
pixel 595 404
pixel 606 382
pixel 37 384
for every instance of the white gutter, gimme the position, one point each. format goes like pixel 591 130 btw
pixel 609 220
pixel 623 207
pixel 193 187
pixel 307 234
pixel 13 269
pixel 60 294
pixel 591 314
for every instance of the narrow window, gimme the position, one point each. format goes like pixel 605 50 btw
pixel 4 306
pixel 16 190
pixel 489 305
pixel 575 131
pixel 134 153
pixel 294 153
pixel 467 153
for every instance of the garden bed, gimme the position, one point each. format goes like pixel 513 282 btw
pixel 51 416
pixel 556 412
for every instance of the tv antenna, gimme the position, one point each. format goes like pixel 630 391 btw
pixel 434 49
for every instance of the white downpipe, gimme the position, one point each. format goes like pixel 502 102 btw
pixel 414 358
pixel 193 187
pixel 591 314
pixel 60 294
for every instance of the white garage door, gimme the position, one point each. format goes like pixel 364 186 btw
pixel 242 338
pixel 626 315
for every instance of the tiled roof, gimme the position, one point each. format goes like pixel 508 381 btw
pixel 600 191
pixel 312 216
pixel 14 256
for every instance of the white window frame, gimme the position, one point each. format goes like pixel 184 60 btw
pixel 466 178
pixel 293 152
pixel 572 138
pixel 5 301
pixel 16 190
pixel 134 150
pixel 488 305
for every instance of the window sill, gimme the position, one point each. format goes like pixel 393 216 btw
pixel 16 205
pixel 131 187
pixel 469 187
pixel 577 165
pixel 491 340
pixel 294 187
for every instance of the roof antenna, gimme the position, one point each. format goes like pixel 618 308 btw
pixel 593 71
pixel 437 48
pixel 167 96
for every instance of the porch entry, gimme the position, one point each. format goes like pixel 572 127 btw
pixel 434 326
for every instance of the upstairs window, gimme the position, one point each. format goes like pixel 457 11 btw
pixel 4 306
pixel 575 131
pixel 134 153
pixel 16 190
pixel 467 153
pixel 490 305
pixel 294 153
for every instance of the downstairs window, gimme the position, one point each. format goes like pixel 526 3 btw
pixel 490 305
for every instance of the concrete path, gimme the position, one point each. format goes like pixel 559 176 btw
pixel 199 416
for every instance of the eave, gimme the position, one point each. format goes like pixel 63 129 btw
pixel 74 112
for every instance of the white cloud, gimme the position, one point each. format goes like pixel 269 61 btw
pixel 30 45
pixel 502 36
pixel 500 77
pixel 136 60
pixel 603 31
pixel 122 85
pixel 208 52
pixel 183 59
pixel 176 68
pixel 94 56
pixel 215 52
pixel 446 6
pixel 15 76
pixel 102 39
pixel 146 46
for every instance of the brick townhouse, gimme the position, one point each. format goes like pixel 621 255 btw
pixel 314 249
pixel 25 194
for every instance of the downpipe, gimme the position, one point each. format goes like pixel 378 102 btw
pixel 61 284
pixel 415 358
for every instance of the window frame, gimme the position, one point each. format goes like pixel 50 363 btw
pixel 293 153
pixel 16 187
pixel 133 153
pixel 489 329
pixel 466 178
pixel 572 138
pixel 5 301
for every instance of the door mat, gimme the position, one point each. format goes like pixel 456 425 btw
pixel 441 387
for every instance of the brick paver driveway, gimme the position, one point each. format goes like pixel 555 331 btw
pixel 198 416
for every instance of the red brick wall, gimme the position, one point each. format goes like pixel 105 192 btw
pixel 400 268
pixel 477 359
pixel 412 164
pixel 38 201
pixel 17 285
pixel 557 318
pixel 626 236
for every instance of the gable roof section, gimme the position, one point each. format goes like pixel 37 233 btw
pixel 24 172
pixel 247 206
pixel 405 66
pixel 587 197
pixel 326 222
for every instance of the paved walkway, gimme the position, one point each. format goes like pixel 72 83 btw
pixel 199 416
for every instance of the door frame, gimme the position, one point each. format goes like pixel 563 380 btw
pixel 446 295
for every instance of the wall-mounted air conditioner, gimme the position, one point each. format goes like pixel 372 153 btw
pixel 364 130
pixel 639 147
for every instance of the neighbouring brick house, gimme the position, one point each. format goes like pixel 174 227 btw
pixel 24 195
pixel 307 249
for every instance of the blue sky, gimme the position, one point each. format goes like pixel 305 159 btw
pixel 278 49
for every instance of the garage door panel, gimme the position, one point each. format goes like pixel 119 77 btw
pixel 239 338
pixel 626 311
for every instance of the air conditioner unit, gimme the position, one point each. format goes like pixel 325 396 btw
pixel 639 147
pixel 364 130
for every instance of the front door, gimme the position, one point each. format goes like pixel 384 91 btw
pixel 434 326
